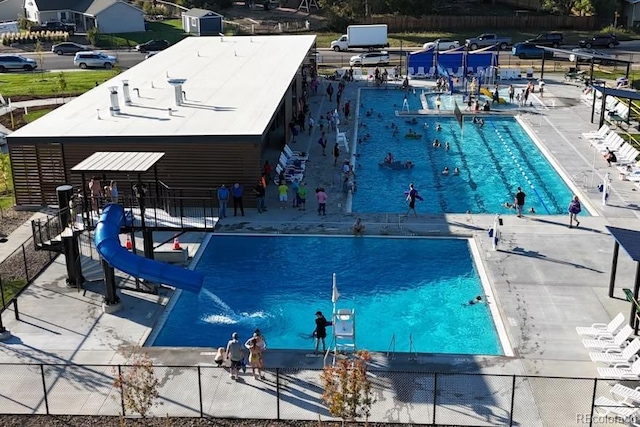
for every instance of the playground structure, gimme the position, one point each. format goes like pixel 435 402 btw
pixel 142 207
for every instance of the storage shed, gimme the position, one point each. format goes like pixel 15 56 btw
pixel 202 22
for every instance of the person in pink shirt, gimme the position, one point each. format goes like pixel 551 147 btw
pixel 322 201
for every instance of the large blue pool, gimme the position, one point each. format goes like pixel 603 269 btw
pixel 493 161
pixel 417 287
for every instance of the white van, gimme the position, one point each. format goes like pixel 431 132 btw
pixel 9 27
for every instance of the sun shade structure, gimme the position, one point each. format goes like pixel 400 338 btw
pixel 630 95
pixel 630 242
pixel 117 162
pixel 589 56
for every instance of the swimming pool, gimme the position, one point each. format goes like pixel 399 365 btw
pixel 447 101
pixel 493 161
pixel 398 286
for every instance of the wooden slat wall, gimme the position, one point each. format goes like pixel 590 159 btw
pixel 37 171
pixel 185 164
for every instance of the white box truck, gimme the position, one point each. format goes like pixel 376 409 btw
pixel 363 37
pixel 9 27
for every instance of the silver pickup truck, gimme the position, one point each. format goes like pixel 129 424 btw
pixel 487 39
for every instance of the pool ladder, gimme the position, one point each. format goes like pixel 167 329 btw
pixel 391 351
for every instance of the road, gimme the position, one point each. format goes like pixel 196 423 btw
pixel 127 59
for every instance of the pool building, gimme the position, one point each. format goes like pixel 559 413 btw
pixel 211 104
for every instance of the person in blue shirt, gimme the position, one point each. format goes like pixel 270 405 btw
pixel 236 192
pixel 223 199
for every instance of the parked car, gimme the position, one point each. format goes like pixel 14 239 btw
pixel 94 59
pixel 609 41
pixel 55 26
pixel 370 58
pixel 152 46
pixel 486 40
pixel 69 47
pixel 547 40
pixel 603 59
pixel 527 50
pixel 441 44
pixel 16 62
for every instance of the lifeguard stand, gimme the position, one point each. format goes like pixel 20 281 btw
pixel 344 330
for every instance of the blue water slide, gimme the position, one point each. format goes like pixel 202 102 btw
pixel 107 242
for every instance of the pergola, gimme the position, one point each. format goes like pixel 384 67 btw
pixel 590 56
pixel 630 242
pixel 630 95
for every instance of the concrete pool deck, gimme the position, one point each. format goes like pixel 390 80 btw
pixel 546 278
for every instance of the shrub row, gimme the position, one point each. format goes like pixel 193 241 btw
pixel 29 38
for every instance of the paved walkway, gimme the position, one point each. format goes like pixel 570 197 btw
pixel 546 279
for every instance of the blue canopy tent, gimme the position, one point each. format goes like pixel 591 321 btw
pixel 421 58
pixel 485 58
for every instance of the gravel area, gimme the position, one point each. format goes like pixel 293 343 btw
pixel 80 421
pixel 11 219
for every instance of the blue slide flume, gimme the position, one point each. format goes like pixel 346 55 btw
pixel 107 242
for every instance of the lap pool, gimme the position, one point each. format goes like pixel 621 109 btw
pixel 494 160
pixel 402 286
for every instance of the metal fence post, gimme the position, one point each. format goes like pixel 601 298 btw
pixel 121 390
pixel 26 266
pixel 513 399
pixel 44 388
pixel 278 394
pixel 593 400
pixel 435 395
pixel 200 391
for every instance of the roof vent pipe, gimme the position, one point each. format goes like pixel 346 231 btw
pixel 125 92
pixel 177 88
pixel 114 109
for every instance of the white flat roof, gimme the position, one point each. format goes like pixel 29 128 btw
pixel 233 87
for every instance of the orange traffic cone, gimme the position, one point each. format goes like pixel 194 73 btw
pixel 129 244
pixel 176 244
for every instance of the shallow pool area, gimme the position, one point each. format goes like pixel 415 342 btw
pixel 493 161
pixel 447 101
pixel 414 288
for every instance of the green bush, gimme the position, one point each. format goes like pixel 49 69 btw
pixel 621 33
pixel 93 36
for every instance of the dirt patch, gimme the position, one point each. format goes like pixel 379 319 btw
pixel 80 421
pixel 19 116
pixel 245 17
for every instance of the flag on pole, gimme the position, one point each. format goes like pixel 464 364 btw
pixel 335 294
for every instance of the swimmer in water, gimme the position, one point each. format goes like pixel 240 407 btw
pixel 507 205
pixel 438 127
pixel 477 300
pixel 456 171
pixel 445 171
pixel 436 143
pixel 446 146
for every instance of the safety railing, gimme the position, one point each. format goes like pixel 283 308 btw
pixel 433 398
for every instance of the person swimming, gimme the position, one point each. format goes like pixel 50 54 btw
pixel 409 164
pixel 476 300
pixel 445 171
pixel 436 143
pixel 456 171
pixel 507 205
pixel 481 123
pixel 389 158
pixel 446 146
pixel 438 127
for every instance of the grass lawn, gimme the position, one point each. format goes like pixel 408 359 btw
pixel 6 182
pixel 48 84
pixel 34 115
pixel 11 287
pixel 170 30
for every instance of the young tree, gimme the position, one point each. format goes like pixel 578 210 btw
pixel 347 389
pixel 40 53
pixel 138 385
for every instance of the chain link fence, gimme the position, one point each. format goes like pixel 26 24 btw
pixel 296 394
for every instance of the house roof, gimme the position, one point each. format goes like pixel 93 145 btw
pixel 89 7
pixel 200 13
pixel 234 87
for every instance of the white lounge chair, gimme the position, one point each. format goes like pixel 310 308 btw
pixel 291 163
pixel 628 156
pixel 613 356
pixel 289 175
pixel 529 73
pixel 460 72
pixel 622 371
pixel 420 74
pixel 602 329
pixel 604 406
pixel 450 72
pixel 619 340
pixel 412 72
pixel 600 133
pixel 615 143
pixel 608 138
pixel 431 73
pixel 294 155
pixel 628 395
